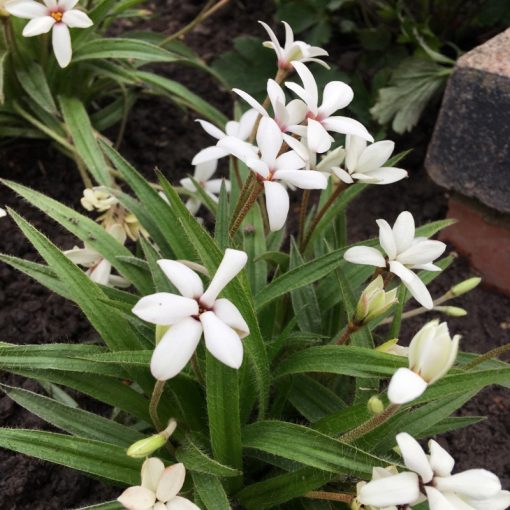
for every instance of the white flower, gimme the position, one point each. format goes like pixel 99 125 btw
pixel 293 51
pixel 404 252
pixel 271 167
pixel 365 164
pixel 378 473
pixel 285 114
pixel 192 313
pixel 241 130
pixel 99 269
pixel 3 213
pixel 98 198
pixel 159 488
pixel 432 474
pixel 320 119
pixel 432 353
pixel 203 173
pixel 56 15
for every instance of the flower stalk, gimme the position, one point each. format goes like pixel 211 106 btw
pixel 371 424
pixel 340 497
pixel 493 353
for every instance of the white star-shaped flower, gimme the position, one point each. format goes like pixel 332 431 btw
pixel 56 15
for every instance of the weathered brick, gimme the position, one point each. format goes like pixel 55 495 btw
pixel 484 238
pixel 470 149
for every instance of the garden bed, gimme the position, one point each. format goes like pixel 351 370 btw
pixel 160 135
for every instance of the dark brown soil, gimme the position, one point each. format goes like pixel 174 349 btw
pixel 159 134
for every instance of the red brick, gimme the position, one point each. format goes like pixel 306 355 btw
pixel 484 238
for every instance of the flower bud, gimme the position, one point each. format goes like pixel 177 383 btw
pixel 452 311
pixel 465 286
pixel 160 331
pixel 392 347
pixel 147 446
pixel 375 405
pixel 374 301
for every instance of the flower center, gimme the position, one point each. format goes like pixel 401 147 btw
pixel 57 16
pixel 201 309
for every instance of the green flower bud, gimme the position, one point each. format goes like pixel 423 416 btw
pixel 160 331
pixel 452 311
pixel 375 405
pixel 465 286
pixel 147 446
pixel 374 301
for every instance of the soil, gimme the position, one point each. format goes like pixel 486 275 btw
pixel 160 135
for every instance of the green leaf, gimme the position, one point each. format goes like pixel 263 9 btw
pixel 210 491
pixel 74 421
pixel 33 80
pixel 83 135
pixel 92 457
pixel 110 505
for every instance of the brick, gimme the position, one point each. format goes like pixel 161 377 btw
pixel 484 238
pixel 470 149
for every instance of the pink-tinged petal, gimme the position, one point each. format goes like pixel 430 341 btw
pixel 180 503
pixel 422 253
pixel 211 129
pixel 365 255
pixel 347 126
pixel 251 101
pixel 337 95
pixel 231 265
pixel 413 283
pixel 222 341
pixel 101 273
pixel 499 502
pixel 304 179
pixel 269 140
pixel 440 460
pixel 289 160
pixel 386 239
pixel 171 482
pixel 212 153
pixel 405 386
pixel 26 9
pixel 175 349
pixel 259 167
pixel 400 489
pixel 387 175
pixel 61 41
pixel 403 231
pixel 38 26
pixel 76 19
pixel 238 148
pixel 66 5
pixel 137 498
pixel 309 86
pixel 277 204
pixel 317 138
pixel 226 311
pixel 354 146
pixel 374 156
pixel 437 501
pixel 276 45
pixel 152 469
pixel 184 279
pixel 414 457
pixel 164 308
pixel 473 483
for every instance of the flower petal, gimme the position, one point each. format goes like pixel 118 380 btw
pixel 374 156
pixel 473 483
pixel 269 140
pixel 296 110
pixel 347 126
pixel 437 501
pixel 311 97
pixel 61 40
pixel 499 502
pixel 414 457
pixel 337 95
pixel 400 489
pixel 164 308
pixel 211 129
pixel 405 386
pixel 317 138
pixel 26 9
pixel 277 204
pixel 289 160
pixel 422 252
pixel 175 349
pixel 204 171
pixel 66 5
pixel 231 265
pixel 152 469
pixel 212 153
pixel 365 255
pixel 387 175
pixel 171 482
pixel 184 279
pixel 415 286
pixel 76 19
pixel 404 230
pixel 276 45
pixel 83 256
pixel 137 498
pixel 101 273
pixel 221 340
pixel 440 460
pixel 252 102
pixel 354 147
pixel 387 239
pixel 38 26
pixel 236 147
pixel 180 503
pixel 226 311
pixel 304 179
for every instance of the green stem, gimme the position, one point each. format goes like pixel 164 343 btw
pixel 305 199
pixel 370 424
pixel 330 496
pixel 157 392
pixel 351 328
pixel 494 353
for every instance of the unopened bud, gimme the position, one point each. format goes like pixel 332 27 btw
pixel 160 331
pixel 375 405
pixel 465 286
pixel 374 301
pixel 452 311
pixel 147 446
pixel 355 505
